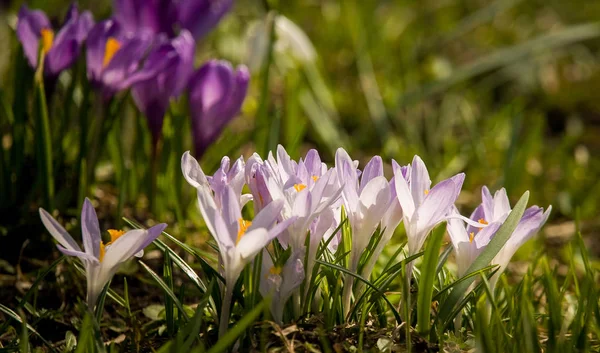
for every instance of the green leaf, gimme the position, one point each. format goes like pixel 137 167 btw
pixel 486 256
pixel 428 274
pixel 166 289
pixel 16 317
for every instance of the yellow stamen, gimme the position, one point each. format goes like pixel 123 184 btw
pixel 299 187
pixel 315 178
pixel 471 237
pixel 47 39
pixel 102 251
pixel 275 270
pixel 112 46
pixel 482 221
pixel 244 224
pixel 115 234
pixel 426 192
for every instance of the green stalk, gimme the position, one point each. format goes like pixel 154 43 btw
pixel 43 139
pixel 224 319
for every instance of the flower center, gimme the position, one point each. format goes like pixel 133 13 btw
pixel 112 46
pixel 47 39
pixel 114 235
pixel 275 270
pixel 244 224
pixel 299 187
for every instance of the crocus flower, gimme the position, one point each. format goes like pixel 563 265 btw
pixel 101 260
pixel 114 57
pixel 165 16
pixel 216 94
pixel 365 202
pixel 238 239
pixel 232 176
pixel 469 241
pixel 424 207
pixel 280 282
pixel 151 16
pixel 166 72
pixel 200 16
pixel 256 176
pixel 60 51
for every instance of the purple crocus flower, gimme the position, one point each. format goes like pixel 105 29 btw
pixel 216 94
pixel 114 57
pixel 470 241
pixel 101 260
pixel 166 72
pixel 165 16
pixel 151 16
pixel 232 176
pixel 60 50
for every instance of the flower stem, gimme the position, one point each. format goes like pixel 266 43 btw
pixel 224 319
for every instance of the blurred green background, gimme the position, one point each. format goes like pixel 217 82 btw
pixel 504 90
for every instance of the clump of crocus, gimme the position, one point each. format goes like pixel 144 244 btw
pixel 101 261
pixel 469 241
pixel 59 49
pixel 216 94
pixel 239 240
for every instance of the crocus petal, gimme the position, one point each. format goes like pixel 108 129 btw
pixel 253 242
pixel 90 229
pixel 58 232
pixel 501 205
pixel 231 212
pixel 29 29
pixel 436 204
pixel 152 16
pixel 216 94
pixel 68 41
pixel 404 196
pixel 80 254
pixel 200 16
pixel 267 216
pixel 420 183
pixel 373 169
pixel 128 245
pixel 122 70
pixel 96 46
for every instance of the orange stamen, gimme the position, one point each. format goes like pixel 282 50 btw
pixel 47 39
pixel 102 251
pixel 315 178
pixel 244 224
pixel 112 46
pixel 426 192
pixel 482 221
pixel 299 187
pixel 115 234
pixel 471 237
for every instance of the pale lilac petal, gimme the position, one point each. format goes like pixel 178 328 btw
pixel 501 205
pixel 83 256
pixel 374 168
pixel 487 201
pixel 436 205
pixel 267 216
pixel 231 212
pixel 420 183
pixel 252 242
pixel 404 196
pixel 90 229
pixel 58 232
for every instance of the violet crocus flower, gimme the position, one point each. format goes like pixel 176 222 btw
pixel 232 176
pixel 470 241
pixel 165 75
pixel 101 260
pixel 238 239
pixel 61 50
pixel 280 282
pixel 165 16
pixel 424 207
pixel 216 94
pixel 114 57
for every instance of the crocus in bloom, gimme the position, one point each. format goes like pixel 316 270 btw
pixel 239 240
pixel 101 260
pixel 230 175
pixel 216 94
pixel 61 50
pixel 280 282
pixel 165 16
pixel 424 207
pixel 470 241
pixel 365 202
pixel 114 57
pixel 166 72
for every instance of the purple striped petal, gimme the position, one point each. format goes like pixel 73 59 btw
pixel 29 28
pixel 200 16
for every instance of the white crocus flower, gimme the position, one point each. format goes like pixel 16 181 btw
pixel 101 261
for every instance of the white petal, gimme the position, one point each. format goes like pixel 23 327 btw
pixel 404 196
pixel 420 183
pixel 90 230
pixel 252 242
pixel 58 232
